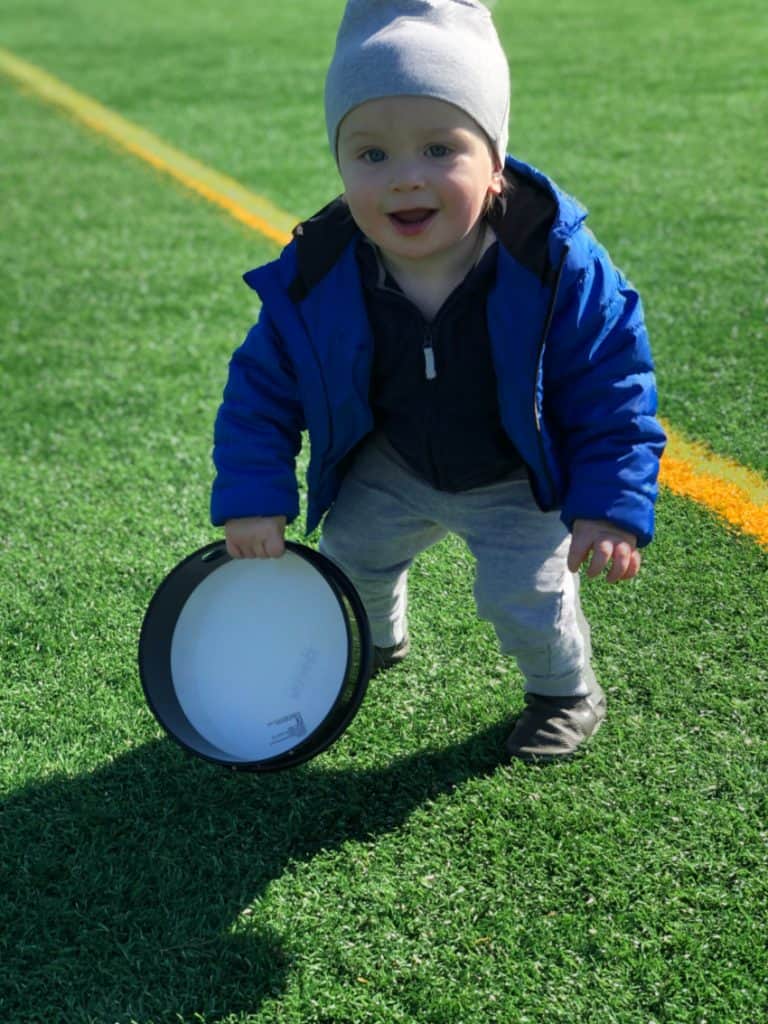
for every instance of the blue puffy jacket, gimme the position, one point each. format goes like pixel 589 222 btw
pixel 575 376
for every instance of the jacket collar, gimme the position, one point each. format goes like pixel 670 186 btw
pixel 320 242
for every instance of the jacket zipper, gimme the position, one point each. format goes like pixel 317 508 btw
pixel 539 358
pixel 430 367
pixel 430 374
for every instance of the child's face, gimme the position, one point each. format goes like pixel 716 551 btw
pixel 417 172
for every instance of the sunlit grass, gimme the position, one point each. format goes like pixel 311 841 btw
pixel 406 875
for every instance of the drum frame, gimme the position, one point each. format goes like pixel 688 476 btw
pixel 156 641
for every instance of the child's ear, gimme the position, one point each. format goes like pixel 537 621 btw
pixel 497 183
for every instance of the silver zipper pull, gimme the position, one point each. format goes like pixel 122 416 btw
pixel 429 359
pixel 429 362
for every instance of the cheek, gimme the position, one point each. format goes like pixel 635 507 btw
pixel 471 199
pixel 364 211
pixel 360 195
pixel 360 205
pixel 469 190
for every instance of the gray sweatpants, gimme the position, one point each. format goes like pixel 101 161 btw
pixel 385 515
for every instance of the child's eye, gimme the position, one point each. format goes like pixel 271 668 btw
pixel 437 149
pixel 373 155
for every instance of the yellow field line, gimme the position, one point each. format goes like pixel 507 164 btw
pixel 737 494
pixel 245 206
pixel 688 468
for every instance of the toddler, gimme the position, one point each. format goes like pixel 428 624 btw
pixel 464 357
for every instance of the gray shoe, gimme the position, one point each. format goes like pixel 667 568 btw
pixel 388 657
pixel 553 728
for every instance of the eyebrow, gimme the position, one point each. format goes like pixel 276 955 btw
pixel 361 134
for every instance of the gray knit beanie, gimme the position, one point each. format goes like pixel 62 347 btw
pixel 446 49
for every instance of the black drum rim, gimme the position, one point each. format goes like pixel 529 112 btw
pixel 164 609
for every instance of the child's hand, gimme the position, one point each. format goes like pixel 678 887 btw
pixel 255 537
pixel 608 544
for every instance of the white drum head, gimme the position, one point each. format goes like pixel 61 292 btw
pixel 259 655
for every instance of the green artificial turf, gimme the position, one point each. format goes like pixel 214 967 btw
pixel 652 114
pixel 407 875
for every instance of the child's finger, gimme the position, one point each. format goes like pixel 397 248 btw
pixel 233 550
pixel 577 552
pixel 620 563
pixel 634 565
pixel 601 556
pixel 274 546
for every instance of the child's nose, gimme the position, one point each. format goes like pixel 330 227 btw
pixel 407 175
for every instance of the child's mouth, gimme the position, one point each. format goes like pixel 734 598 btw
pixel 411 222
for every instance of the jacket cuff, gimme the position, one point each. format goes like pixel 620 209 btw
pixel 628 511
pixel 237 503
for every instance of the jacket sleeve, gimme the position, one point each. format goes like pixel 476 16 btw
pixel 600 394
pixel 257 434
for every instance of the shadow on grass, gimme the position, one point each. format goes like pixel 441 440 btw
pixel 119 889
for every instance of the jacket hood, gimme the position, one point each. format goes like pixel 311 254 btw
pixel 570 214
